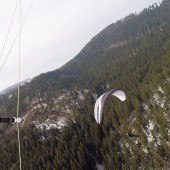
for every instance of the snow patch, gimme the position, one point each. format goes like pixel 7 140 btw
pixel 127 146
pixel 9 96
pixel 42 138
pixel 145 149
pixel 44 104
pixel 145 107
pixel 49 124
pixel 158 101
pixel 80 95
pixel 61 122
pixel 150 128
pixel 99 166
pixel 148 132
pixel 151 125
pixel 46 126
pixel 108 86
pixel 160 89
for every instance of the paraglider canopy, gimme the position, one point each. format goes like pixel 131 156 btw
pixel 100 102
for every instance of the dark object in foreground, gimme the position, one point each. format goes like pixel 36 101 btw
pixel 10 120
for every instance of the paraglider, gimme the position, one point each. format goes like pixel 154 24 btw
pixel 100 103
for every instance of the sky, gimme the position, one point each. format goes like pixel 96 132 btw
pixel 54 32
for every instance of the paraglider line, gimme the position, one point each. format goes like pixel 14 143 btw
pixel 9 29
pixel 16 37
pixel 18 98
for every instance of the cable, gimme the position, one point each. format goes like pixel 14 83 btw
pixel 19 147
pixel 19 71
pixel 18 99
pixel 16 36
pixel 9 29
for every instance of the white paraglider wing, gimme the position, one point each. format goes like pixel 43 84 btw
pixel 100 102
pixel 120 95
pixel 98 109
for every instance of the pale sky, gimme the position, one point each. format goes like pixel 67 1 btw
pixel 55 31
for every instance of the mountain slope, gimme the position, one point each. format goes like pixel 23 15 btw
pixel 132 54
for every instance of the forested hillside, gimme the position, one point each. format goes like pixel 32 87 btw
pixel 132 54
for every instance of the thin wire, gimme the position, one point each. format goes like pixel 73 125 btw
pixel 9 30
pixel 16 37
pixel 18 101
pixel 19 147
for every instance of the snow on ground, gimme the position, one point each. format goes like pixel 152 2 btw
pixel 64 96
pixel 160 101
pixel 127 146
pixel 9 96
pixel 81 97
pixel 166 116
pixel 99 166
pixel 146 107
pixel 108 86
pixel 61 122
pixel 44 104
pixel 48 124
pixel 151 125
pixel 145 149
pixel 160 89
pixel 67 109
pixel 152 139
pixel 149 134
pixel 23 119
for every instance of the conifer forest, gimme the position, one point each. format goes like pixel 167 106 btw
pixel 132 54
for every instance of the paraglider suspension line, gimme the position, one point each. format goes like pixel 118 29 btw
pixel 18 98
